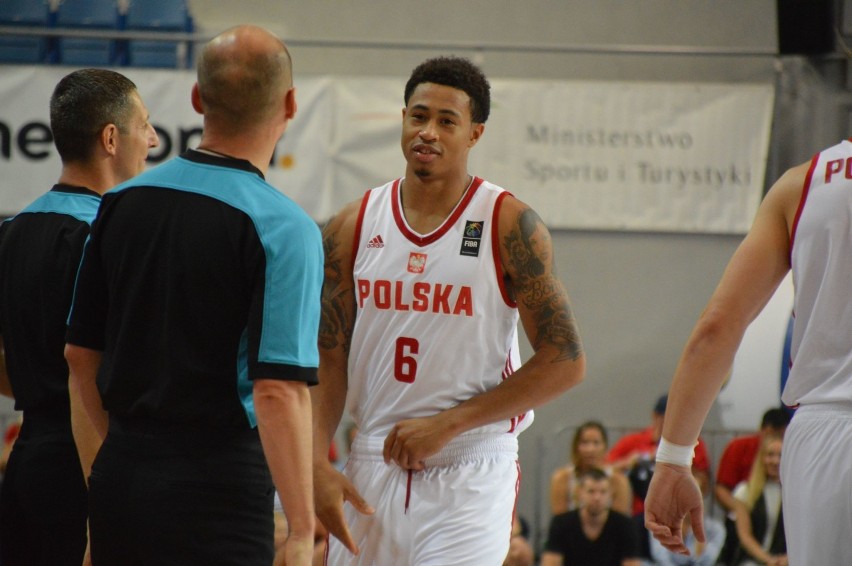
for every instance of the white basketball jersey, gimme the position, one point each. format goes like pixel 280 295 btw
pixel 435 325
pixel 821 256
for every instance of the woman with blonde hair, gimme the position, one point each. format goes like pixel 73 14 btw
pixel 757 505
pixel 588 451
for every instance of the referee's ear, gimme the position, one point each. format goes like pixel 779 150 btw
pixel 196 100
pixel 109 139
pixel 290 103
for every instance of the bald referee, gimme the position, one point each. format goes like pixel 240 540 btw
pixel 194 327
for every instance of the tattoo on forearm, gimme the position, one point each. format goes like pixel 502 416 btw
pixel 334 321
pixel 529 253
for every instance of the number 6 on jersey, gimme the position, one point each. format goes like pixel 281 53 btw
pixel 404 363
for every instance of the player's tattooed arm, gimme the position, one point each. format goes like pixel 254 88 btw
pixel 528 256
pixel 337 314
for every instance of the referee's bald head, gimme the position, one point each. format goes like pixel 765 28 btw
pixel 243 74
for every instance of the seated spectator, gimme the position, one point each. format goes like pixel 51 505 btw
pixel 588 450
pixel 700 553
pixel 759 515
pixel 735 467
pixel 592 534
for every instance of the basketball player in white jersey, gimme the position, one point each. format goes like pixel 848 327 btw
pixel 426 278
pixel 804 223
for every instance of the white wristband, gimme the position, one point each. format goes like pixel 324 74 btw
pixel 677 454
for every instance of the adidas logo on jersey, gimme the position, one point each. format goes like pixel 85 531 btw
pixel 376 242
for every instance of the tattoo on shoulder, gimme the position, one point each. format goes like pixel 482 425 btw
pixel 334 311
pixel 529 253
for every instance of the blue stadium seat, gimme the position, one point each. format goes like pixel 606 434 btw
pixel 96 14
pixel 90 15
pixel 23 48
pixel 165 15
pixel 24 12
pixel 158 15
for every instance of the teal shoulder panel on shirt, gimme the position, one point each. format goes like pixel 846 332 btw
pixel 83 207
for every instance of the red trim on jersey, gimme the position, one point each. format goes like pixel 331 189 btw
pixel 495 250
pixel 517 491
pixel 408 491
pixel 508 370
pixel 805 190
pixel 356 239
pixel 417 239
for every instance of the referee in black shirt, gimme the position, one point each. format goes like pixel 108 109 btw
pixel 101 131
pixel 193 335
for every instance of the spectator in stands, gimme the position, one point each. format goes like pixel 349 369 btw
pixel 735 467
pixel 588 450
pixel 700 553
pixel 594 533
pixel 759 515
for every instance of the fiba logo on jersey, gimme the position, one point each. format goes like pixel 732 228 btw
pixel 471 238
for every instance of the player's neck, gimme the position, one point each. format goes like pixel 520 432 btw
pixel 426 203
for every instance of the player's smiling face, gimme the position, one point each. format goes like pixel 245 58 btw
pixel 437 131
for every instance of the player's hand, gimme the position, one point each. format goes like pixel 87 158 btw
pixel 672 494
pixel 411 441
pixel 331 489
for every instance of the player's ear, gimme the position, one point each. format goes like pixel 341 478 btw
pixel 476 131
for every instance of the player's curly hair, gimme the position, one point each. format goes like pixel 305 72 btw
pixel 455 72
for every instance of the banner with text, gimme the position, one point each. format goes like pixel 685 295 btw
pixel 586 155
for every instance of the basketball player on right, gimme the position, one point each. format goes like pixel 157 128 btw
pixel 804 223
pixel 425 280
